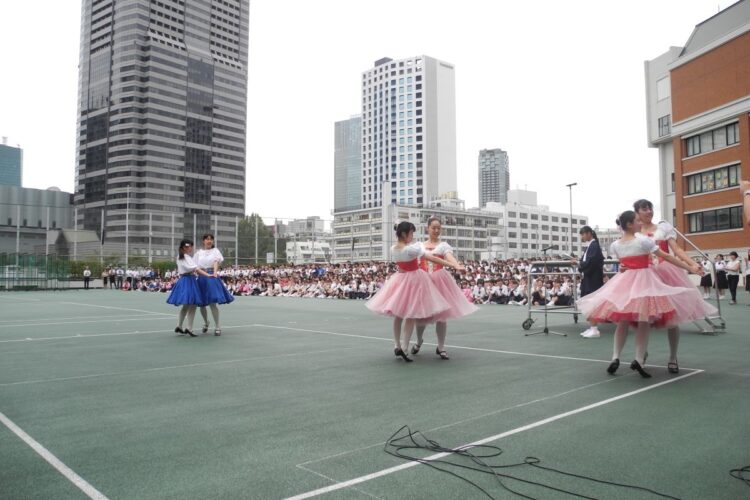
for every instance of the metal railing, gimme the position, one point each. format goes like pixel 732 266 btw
pixel 711 320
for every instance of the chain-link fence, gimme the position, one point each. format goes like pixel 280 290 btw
pixel 34 272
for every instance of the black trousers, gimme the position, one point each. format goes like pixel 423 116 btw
pixel 733 281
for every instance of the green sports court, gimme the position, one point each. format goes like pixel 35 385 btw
pixel 99 398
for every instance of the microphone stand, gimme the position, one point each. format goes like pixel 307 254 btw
pixel 545 330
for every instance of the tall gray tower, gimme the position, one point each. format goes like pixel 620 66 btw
pixel 162 105
pixel 494 176
pixel 347 160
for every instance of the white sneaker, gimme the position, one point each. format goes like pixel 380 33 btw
pixel 591 333
pixel 705 295
pixel 586 332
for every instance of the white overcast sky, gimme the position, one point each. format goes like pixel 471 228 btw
pixel 559 85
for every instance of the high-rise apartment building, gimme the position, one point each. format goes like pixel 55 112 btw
pixel 11 165
pixel 408 131
pixel 494 176
pixel 161 119
pixel 698 112
pixel 347 161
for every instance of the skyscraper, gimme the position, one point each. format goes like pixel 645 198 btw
pixel 408 131
pixel 494 176
pixel 347 160
pixel 11 165
pixel 161 119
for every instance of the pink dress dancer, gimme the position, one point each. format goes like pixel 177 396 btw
pixel 639 295
pixel 460 305
pixel 409 293
pixel 673 275
pixel 446 285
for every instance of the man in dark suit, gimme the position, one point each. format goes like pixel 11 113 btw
pixel 592 267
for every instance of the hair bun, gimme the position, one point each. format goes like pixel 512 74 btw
pixel 395 227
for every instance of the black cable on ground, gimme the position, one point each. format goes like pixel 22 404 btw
pixel 399 443
pixel 743 474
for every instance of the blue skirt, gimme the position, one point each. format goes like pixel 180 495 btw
pixel 185 291
pixel 213 291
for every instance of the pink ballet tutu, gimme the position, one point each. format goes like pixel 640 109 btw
pixel 408 295
pixel 447 287
pixel 639 295
pixel 674 276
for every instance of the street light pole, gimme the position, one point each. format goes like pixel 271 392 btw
pixel 570 235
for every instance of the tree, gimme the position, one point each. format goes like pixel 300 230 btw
pixel 246 242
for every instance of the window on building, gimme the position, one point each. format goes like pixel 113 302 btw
pixel 733 134
pixel 720 219
pixel 663 89
pixel 713 139
pixel 720 178
pixel 693 145
pixel 664 125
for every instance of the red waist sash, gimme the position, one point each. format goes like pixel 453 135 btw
pixel 636 261
pixel 435 266
pixel 411 265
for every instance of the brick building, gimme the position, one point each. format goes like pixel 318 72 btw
pixel 698 103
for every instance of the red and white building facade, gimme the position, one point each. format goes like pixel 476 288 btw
pixel 698 107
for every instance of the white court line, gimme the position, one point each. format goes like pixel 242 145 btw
pixel 111 307
pixel 333 481
pixel 470 419
pixel 83 336
pixel 538 423
pixel 109 321
pixel 3 321
pixel 55 462
pixel 535 355
pixel 173 367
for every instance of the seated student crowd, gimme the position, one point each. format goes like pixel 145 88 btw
pixel 496 282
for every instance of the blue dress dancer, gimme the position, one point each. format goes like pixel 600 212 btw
pixel 212 290
pixel 185 292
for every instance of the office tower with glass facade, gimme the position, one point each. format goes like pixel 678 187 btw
pixel 161 120
pixel 347 161
pixel 408 131
pixel 494 176
pixel 11 165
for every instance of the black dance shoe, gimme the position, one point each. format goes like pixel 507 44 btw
pixel 635 365
pixel 613 366
pixel 190 333
pixel 400 352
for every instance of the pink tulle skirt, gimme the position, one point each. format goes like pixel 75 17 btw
pixel 447 287
pixel 674 276
pixel 408 295
pixel 640 295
